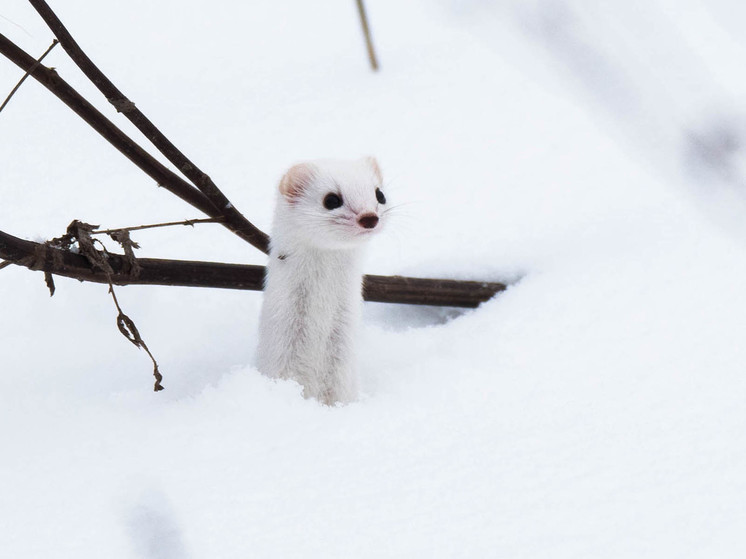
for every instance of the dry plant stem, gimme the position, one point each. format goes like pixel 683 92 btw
pixel 129 330
pixel 26 75
pixel 191 222
pixel 384 289
pixel 153 168
pixel 234 220
pixel 125 145
pixel 366 33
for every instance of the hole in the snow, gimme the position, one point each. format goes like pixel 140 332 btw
pixel 403 317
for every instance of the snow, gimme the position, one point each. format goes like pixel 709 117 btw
pixel 581 152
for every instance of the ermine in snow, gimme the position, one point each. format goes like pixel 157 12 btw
pixel 326 211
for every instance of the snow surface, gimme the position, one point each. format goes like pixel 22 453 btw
pixel 590 153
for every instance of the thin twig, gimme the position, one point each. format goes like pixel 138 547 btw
pixel 26 75
pixel 191 222
pixel 235 220
pixel 368 38
pixel 5 264
pixel 14 24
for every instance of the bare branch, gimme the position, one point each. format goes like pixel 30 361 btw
pixel 383 289
pixel 152 167
pixel 366 33
pixel 234 220
pixel 425 291
pixel 26 75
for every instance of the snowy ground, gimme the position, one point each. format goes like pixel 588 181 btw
pixel 595 409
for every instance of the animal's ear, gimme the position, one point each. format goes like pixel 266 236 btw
pixel 371 161
pixel 296 180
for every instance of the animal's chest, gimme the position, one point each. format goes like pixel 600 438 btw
pixel 322 312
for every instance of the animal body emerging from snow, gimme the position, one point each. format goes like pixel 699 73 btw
pixel 326 212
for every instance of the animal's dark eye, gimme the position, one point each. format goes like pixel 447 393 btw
pixel 380 197
pixel 332 201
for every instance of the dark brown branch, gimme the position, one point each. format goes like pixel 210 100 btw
pixel 152 167
pixel 234 220
pixel 366 33
pixel 26 75
pixel 383 289
pixel 425 291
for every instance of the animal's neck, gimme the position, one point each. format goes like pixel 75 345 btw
pixel 320 269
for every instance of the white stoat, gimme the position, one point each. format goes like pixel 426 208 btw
pixel 326 211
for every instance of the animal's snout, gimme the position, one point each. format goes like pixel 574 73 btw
pixel 369 221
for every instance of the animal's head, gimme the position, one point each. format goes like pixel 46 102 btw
pixel 332 204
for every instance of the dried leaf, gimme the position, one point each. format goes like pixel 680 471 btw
pixel 122 236
pixel 128 329
pixel 50 282
pixel 157 387
pixel 82 232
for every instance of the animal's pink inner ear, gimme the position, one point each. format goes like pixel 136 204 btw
pixel 374 165
pixel 296 180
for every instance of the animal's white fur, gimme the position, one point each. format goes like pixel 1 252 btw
pixel 312 294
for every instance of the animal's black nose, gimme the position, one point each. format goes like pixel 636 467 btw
pixel 369 221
